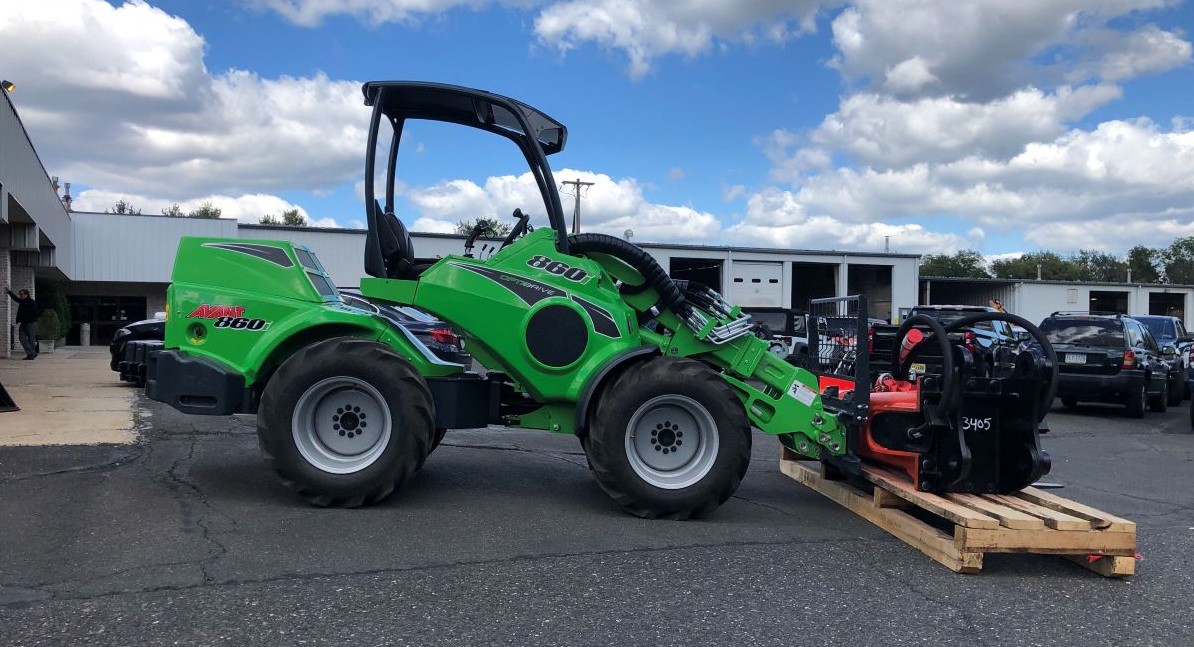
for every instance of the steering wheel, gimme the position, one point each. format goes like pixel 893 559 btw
pixel 519 229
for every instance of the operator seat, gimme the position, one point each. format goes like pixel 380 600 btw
pixel 397 251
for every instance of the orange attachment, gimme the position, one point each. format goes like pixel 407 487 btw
pixel 897 396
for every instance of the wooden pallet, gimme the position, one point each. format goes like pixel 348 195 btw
pixel 1030 521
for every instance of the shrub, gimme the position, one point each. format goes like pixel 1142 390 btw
pixel 47 325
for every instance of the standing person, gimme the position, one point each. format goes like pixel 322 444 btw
pixel 26 321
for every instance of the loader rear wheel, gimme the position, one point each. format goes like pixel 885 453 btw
pixel 669 439
pixel 344 422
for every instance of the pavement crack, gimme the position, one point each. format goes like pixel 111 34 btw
pixel 180 486
pixel 559 455
pixel 767 506
pixel 91 468
pixel 973 630
pixel 533 557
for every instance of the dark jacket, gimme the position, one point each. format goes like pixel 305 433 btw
pixel 27 310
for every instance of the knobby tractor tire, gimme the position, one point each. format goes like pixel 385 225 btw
pixel 345 422
pixel 668 439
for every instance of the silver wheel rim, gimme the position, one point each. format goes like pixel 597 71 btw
pixel 671 442
pixel 341 425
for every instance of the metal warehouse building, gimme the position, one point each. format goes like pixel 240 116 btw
pixel 114 269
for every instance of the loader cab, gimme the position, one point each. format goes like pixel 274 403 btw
pixel 389 252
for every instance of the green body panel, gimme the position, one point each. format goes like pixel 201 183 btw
pixel 217 282
pixel 492 300
pixel 249 304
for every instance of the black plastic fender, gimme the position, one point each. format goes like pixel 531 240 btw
pixel 599 378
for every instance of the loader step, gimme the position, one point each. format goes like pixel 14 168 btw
pixel 958 529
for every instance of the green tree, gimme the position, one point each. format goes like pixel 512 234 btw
pixel 1143 262
pixel 1178 260
pixel 964 264
pixel 49 296
pixel 206 210
pixel 1100 266
pixel 1051 265
pixel 292 218
pixel 495 228
pixel 174 211
pixel 123 206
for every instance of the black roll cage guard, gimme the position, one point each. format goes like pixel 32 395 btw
pixel 536 135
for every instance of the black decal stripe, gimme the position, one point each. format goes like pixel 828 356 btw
pixel 530 292
pixel 603 322
pixel 275 255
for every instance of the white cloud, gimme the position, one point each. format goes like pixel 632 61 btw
pixel 1122 181
pixel 119 97
pixel 648 29
pixel 977 50
pixel 609 206
pixel 310 13
pixel 1118 55
pixel 776 218
pixel 886 132
pixel 731 193
pixel 675 173
pixel 248 208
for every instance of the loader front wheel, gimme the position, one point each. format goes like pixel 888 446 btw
pixel 669 439
pixel 344 422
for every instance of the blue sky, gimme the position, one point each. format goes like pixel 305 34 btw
pixel 935 125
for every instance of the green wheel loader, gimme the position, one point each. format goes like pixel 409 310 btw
pixel 584 334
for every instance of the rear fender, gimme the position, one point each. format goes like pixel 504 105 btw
pixel 606 375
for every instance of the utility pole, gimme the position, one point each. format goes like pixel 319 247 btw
pixel 579 187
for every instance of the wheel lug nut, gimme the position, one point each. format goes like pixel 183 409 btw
pixel 341 432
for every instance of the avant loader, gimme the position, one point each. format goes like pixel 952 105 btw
pixel 584 334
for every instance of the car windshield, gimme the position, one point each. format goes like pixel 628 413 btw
pixel 1084 332
pixel 1162 329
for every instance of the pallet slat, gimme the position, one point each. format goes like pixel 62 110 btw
pixel 1099 520
pixel 1026 522
pixel 1008 516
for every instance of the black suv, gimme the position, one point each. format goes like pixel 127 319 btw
pixel 1109 358
pixel 1175 343
pixel 992 342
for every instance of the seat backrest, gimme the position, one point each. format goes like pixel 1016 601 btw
pixel 397 251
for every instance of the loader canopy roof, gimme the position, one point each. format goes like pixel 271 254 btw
pixel 476 108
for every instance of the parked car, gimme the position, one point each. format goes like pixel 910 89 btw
pixel 1175 343
pixel 1109 358
pixel 436 335
pixel 994 343
pixel 146 329
pixel 786 329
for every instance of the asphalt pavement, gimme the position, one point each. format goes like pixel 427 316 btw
pixel 504 538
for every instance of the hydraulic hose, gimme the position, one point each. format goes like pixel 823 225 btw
pixel 669 293
pixel 951 382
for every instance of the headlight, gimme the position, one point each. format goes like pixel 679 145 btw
pixel 121 334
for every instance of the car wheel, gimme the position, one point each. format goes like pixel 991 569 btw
pixel 1160 402
pixel 1176 389
pixel 1136 403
